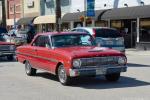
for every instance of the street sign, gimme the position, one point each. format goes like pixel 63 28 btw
pixel 90 12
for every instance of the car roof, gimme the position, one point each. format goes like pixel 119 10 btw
pixel 94 28
pixel 60 33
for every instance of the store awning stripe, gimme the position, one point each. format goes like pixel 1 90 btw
pixel 76 16
pixel 25 20
pixel 44 19
pixel 127 13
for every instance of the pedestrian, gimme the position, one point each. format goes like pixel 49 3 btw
pixel 30 33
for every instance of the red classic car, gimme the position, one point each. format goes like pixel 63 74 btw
pixel 69 55
pixel 6 48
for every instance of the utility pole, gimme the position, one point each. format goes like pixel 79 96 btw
pixel 14 13
pixel 84 22
pixel 58 15
pixel 3 14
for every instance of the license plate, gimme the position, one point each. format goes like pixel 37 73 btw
pixel 100 71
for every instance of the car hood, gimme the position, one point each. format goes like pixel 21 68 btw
pixel 6 43
pixel 81 52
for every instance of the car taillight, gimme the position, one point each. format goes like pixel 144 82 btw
pixel 94 33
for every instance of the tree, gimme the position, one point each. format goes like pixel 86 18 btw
pixel 58 15
pixel 3 13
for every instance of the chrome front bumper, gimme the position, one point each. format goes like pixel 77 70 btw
pixel 96 71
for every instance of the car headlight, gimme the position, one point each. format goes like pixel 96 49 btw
pixel 77 63
pixel 122 60
pixel 12 47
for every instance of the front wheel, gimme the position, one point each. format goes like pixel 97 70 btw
pixel 29 70
pixel 62 76
pixel 113 77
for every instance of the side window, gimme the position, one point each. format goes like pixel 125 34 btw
pixel 42 41
pixel 37 41
pixel 47 42
pixel 79 30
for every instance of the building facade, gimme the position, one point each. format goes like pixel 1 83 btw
pixel 107 4
pixel 14 11
pixel 132 18
pixel 0 12
pixel 31 8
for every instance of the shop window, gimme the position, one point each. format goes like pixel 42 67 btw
pixel 145 30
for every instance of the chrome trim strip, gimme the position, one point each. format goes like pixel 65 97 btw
pixel 49 59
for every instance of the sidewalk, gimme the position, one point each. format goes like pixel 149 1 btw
pixel 133 51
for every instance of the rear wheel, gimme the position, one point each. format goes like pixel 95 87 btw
pixel 29 70
pixel 62 76
pixel 113 77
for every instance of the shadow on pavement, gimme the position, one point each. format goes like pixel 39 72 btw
pixel 47 76
pixel 137 65
pixel 99 82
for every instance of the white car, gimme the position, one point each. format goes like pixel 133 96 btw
pixel 106 37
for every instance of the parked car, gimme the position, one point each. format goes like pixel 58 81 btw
pixel 106 37
pixel 19 38
pixel 6 48
pixel 71 54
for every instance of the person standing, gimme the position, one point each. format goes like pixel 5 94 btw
pixel 30 33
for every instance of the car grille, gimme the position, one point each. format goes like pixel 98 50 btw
pixel 4 47
pixel 99 61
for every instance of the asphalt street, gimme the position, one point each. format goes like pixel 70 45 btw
pixel 133 84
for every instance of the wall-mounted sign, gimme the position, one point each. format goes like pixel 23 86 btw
pixel 30 3
pixel 90 8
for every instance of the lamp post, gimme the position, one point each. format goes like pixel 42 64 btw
pixel 58 16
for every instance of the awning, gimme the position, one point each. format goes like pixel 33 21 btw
pixel 44 19
pixel 127 13
pixel 11 21
pixel 25 20
pixel 76 16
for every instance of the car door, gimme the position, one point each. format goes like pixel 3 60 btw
pixel 32 52
pixel 44 54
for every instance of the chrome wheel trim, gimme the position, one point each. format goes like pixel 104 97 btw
pixel 62 74
pixel 28 67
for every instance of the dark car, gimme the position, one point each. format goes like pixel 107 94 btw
pixel 6 48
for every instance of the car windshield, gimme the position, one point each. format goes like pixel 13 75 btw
pixel 72 40
pixel 107 33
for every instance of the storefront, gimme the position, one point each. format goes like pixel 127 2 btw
pixel 45 23
pixel 79 19
pixel 133 23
